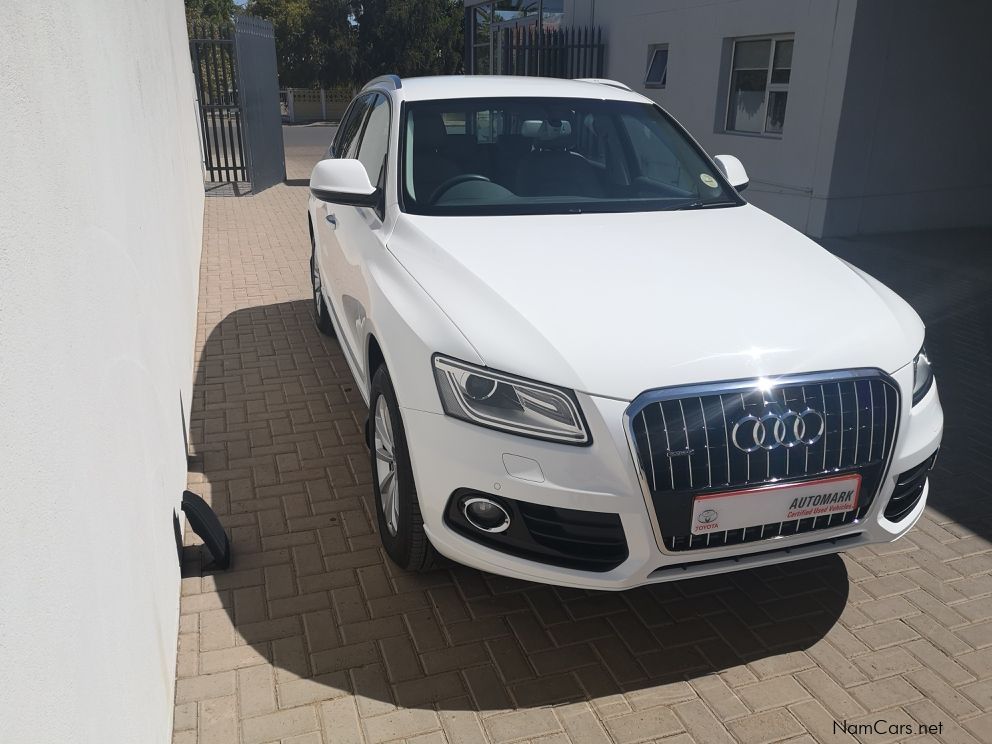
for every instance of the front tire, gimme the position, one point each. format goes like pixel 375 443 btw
pixel 401 526
pixel 321 317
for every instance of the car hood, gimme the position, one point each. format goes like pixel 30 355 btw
pixel 615 304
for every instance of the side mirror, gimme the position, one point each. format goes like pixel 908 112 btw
pixel 733 170
pixel 343 182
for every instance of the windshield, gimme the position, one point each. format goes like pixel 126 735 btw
pixel 551 156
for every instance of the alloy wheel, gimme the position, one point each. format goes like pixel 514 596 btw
pixel 385 466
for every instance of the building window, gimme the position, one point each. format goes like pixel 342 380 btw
pixel 489 19
pixel 482 40
pixel 657 74
pixel 759 85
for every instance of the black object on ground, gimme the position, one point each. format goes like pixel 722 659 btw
pixel 206 524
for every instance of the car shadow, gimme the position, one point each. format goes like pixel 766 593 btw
pixel 278 452
pixel 946 276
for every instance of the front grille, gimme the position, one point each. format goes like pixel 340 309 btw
pixel 684 443
pixel 908 490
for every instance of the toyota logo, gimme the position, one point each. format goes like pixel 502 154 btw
pixel 707 516
pixel 772 430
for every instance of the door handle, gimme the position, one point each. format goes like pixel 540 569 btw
pixel 332 221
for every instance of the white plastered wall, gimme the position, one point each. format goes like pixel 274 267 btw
pixel 101 207
pixel 788 173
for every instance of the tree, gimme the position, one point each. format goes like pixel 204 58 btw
pixel 334 42
pixel 212 12
pixel 409 37
pixel 316 40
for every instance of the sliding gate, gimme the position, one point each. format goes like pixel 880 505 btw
pixel 238 93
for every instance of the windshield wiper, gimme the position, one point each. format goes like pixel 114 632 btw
pixel 704 205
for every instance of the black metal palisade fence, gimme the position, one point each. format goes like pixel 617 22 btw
pixel 562 52
pixel 214 68
pixel 238 93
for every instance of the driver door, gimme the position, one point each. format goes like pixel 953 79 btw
pixel 326 215
pixel 360 235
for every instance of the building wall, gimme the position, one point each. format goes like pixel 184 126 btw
pixel 101 204
pixel 913 149
pixel 790 175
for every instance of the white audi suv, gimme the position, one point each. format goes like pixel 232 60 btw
pixel 588 360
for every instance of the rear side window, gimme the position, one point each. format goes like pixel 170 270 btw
pixel 375 141
pixel 351 127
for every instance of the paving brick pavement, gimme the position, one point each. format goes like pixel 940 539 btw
pixel 313 636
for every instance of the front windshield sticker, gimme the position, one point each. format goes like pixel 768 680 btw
pixel 708 180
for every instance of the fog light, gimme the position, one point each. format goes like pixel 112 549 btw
pixel 485 515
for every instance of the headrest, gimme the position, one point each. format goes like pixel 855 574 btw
pixel 428 129
pixel 545 130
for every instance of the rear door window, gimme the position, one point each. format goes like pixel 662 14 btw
pixel 375 140
pixel 351 126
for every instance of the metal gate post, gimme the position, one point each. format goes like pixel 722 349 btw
pixel 258 88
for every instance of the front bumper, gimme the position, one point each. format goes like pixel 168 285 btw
pixel 449 455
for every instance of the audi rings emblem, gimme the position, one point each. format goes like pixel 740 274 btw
pixel 772 430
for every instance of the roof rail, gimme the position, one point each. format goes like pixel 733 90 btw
pixel 388 80
pixel 604 81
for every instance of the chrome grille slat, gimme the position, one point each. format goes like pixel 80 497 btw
pixel 726 437
pixel 647 435
pixel 826 413
pixel 788 452
pixel 857 422
pixel 668 443
pixel 706 432
pixel 685 430
pixel 871 439
pixel 840 404
pixel 859 410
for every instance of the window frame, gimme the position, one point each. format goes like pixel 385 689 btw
pixel 365 128
pixel 346 120
pixel 380 208
pixel 653 50
pixel 535 18
pixel 770 87
pixel 732 193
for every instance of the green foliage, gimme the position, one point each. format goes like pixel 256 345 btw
pixel 410 37
pixel 315 40
pixel 346 42
pixel 215 12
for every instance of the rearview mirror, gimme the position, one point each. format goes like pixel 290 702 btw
pixel 733 170
pixel 343 182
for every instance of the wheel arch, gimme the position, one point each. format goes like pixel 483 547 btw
pixel 374 358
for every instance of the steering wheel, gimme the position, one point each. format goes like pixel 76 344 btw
pixel 454 181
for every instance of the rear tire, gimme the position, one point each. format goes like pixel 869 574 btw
pixel 401 526
pixel 322 319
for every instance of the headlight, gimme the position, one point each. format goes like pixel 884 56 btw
pixel 507 403
pixel 922 376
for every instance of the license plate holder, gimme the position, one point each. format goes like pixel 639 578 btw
pixel 778 502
